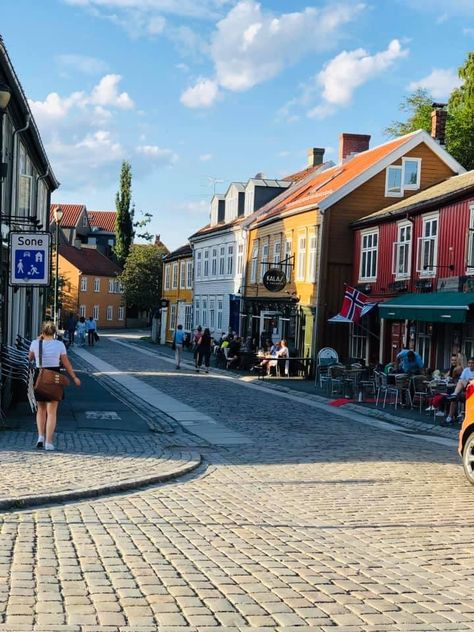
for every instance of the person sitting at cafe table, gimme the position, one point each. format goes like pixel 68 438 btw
pixel 234 355
pixel 410 362
pixel 450 376
pixel 466 376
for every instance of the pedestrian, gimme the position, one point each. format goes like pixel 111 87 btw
pixel 204 351
pixel 178 343
pixel 53 355
pixel 71 324
pixel 196 338
pixel 81 331
pixel 91 328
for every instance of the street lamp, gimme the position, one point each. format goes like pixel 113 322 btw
pixel 58 215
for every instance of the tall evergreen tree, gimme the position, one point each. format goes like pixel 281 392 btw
pixel 124 219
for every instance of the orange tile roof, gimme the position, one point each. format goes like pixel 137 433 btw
pixel 90 261
pixel 310 191
pixel 71 212
pixel 104 220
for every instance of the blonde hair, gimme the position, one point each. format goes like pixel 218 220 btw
pixel 48 328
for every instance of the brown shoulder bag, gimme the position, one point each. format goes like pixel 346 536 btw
pixel 49 384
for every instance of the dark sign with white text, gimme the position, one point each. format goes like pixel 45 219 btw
pixel 274 279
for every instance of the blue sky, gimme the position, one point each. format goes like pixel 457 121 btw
pixel 198 93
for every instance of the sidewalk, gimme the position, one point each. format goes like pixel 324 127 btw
pixel 104 446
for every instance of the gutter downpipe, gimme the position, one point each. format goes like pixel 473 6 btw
pixel 322 238
pixel 13 183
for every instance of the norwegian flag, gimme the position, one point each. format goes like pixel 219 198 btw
pixel 353 304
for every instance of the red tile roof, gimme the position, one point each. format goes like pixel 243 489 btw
pixel 71 215
pixel 90 261
pixel 104 220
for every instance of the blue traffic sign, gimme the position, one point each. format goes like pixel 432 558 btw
pixel 30 256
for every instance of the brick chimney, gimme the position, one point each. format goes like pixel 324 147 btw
pixel 315 156
pixel 350 144
pixel 439 116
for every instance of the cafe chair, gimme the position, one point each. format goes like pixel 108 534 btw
pixel 400 388
pixel 381 386
pixel 336 374
pixel 420 391
pixel 327 356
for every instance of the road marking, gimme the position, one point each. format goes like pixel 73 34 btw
pixel 102 414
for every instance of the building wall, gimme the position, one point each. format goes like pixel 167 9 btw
pixel 180 299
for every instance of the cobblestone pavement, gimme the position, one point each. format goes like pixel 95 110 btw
pixel 320 523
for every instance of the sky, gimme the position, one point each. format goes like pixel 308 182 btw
pixel 196 94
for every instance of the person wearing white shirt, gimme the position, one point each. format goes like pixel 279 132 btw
pixel 466 376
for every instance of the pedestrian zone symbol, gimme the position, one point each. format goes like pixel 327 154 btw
pixel 29 264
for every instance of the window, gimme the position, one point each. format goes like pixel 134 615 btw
pixel 423 341
pixel 288 250
pixel 254 263
pixel 406 177
pixel 82 311
pixel 230 259
pixel 402 252
pixel 428 246
pixel 222 260
pixel 95 312
pixel 175 276
pixel 264 265
pixel 204 312
pixel 206 263
pixel 219 312
pixel 110 312
pixel 197 311
pixel 96 285
pixel 301 270
pixel 167 276
pixel 199 264
pixel 359 342
pixel 120 287
pixel 214 262
pixel 312 259
pixel 276 252
pixel 240 258
pixel 85 223
pixel 111 286
pixel 189 274
pixel 121 313
pixel 470 242
pixel 212 313
pixel 83 284
pixel 188 317
pixel 25 182
pixel 172 316
pixel 182 275
pixel 368 256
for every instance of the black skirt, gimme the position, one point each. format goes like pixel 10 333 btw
pixel 38 397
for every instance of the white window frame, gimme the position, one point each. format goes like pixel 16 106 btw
pixel 83 284
pixel 174 282
pixel 470 242
pixel 214 262
pixel 212 312
pixel 204 301
pixel 222 261
pixel 288 255
pixel 240 258
pixel 220 304
pixel 302 252
pixel 121 312
pixel 188 317
pixel 276 252
pixel 230 259
pixel 206 264
pixel 264 263
pixel 423 242
pixel 393 193
pixel 254 262
pixel 110 312
pixel 416 186
pixel 168 276
pixel 400 246
pixel 312 250
pixel 371 251
pixel 111 286
pixel 182 275
pixel 82 311
pixel 96 312
pixel 199 264
pixel 197 311
pixel 96 285
pixel 173 316
pixel 189 275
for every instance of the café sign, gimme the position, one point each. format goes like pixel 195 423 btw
pixel 274 279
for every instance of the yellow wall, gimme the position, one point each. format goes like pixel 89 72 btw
pixel 178 294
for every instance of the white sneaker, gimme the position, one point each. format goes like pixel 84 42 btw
pixel 439 414
pixel 49 446
pixel 429 408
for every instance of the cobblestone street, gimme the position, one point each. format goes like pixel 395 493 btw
pixel 297 518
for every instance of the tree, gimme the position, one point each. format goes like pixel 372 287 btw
pixel 142 274
pixel 460 122
pixel 141 224
pixel 124 218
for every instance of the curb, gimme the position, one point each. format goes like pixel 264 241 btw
pixel 23 502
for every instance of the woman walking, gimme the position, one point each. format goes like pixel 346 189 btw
pixel 53 355
pixel 204 351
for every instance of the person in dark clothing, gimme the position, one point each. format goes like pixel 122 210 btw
pixel 71 324
pixel 233 358
pixel 204 351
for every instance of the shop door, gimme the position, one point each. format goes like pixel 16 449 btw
pixel 270 327
pixel 397 338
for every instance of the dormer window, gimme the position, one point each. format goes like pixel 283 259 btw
pixel 84 221
pixel 404 177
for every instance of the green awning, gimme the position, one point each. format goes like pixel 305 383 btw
pixel 436 307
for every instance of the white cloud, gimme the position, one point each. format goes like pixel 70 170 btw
pixel 441 8
pixel 158 155
pixel 251 45
pixel 341 76
pixel 106 93
pixel 205 157
pixel 195 208
pixel 202 94
pixel 82 63
pixel 439 83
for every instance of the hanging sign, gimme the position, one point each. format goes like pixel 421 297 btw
pixel 274 279
pixel 30 257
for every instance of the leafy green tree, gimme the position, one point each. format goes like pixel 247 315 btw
pixel 141 224
pixel 142 274
pixel 124 218
pixel 418 107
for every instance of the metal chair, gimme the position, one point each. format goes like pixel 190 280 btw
pixel 420 393
pixel 327 356
pixel 381 386
pixel 401 386
pixel 336 379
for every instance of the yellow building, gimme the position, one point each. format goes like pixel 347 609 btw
pixel 177 294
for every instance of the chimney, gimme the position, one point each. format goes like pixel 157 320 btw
pixel 439 116
pixel 315 156
pixel 259 176
pixel 157 240
pixel 350 144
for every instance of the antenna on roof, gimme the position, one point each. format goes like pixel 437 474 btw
pixel 213 181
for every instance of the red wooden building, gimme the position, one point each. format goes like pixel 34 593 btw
pixel 416 259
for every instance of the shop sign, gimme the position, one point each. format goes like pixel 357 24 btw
pixel 274 279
